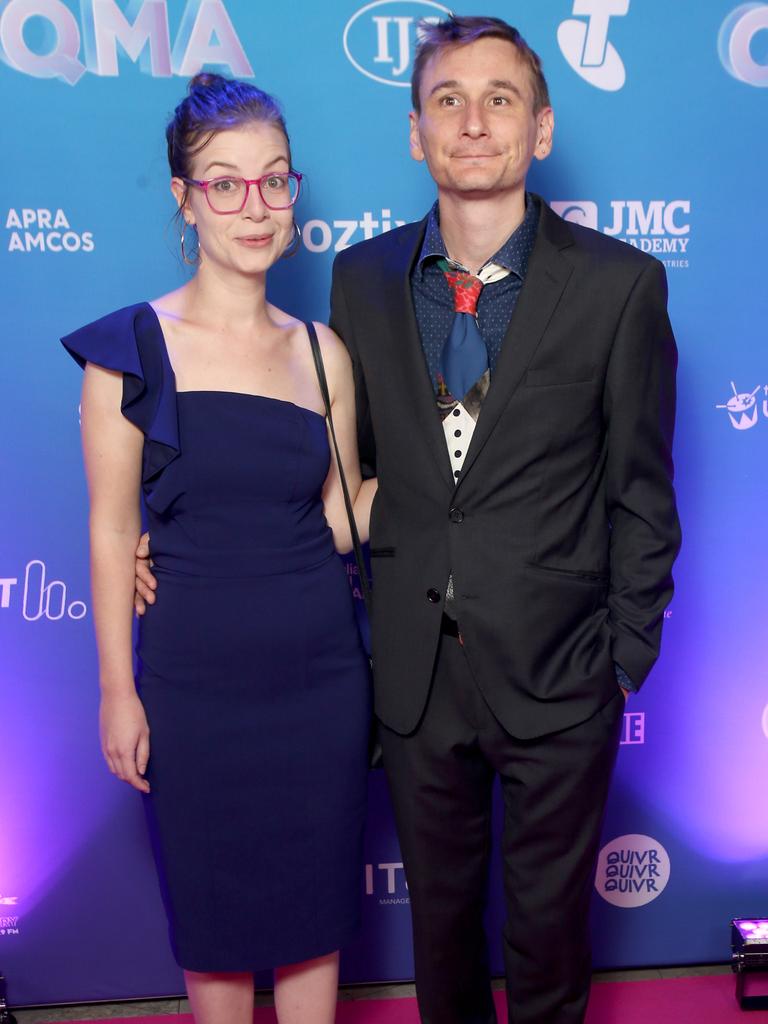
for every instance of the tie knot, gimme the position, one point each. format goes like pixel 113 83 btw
pixel 466 290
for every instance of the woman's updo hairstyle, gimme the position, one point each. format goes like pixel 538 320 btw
pixel 213 104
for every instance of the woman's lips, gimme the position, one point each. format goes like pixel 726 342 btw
pixel 254 241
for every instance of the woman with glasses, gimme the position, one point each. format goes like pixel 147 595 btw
pixel 246 727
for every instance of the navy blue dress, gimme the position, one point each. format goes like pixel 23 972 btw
pixel 251 668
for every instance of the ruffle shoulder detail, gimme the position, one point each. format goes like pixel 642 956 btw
pixel 130 340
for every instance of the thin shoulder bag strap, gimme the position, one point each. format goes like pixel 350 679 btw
pixel 317 355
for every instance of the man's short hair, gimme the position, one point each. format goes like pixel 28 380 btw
pixel 458 31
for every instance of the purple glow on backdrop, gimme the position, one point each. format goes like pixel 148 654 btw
pixel 707 795
pixel 55 777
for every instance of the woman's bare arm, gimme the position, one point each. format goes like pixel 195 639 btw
pixel 338 369
pixel 113 449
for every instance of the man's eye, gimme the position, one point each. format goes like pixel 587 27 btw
pixel 499 101
pixel 449 101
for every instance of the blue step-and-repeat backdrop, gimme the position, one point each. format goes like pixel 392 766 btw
pixel 661 141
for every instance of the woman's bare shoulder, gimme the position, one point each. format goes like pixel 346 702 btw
pixel 171 306
pixel 333 348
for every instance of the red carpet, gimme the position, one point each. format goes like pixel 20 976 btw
pixel 702 1000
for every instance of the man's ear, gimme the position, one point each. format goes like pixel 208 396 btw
pixel 545 129
pixel 415 139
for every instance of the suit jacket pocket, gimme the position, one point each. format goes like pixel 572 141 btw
pixel 559 376
pixel 382 552
pixel 599 579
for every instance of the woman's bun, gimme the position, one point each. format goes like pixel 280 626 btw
pixel 206 80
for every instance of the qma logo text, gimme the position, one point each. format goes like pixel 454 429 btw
pixel 50 47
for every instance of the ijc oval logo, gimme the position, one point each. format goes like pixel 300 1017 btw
pixel 379 38
pixel 735 44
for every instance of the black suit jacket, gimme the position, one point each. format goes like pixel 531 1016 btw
pixel 562 529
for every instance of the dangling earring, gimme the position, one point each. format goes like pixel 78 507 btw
pixel 191 261
pixel 294 245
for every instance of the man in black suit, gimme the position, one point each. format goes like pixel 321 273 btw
pixel 515 389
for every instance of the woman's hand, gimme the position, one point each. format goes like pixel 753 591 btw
pixel 125 738
pixel 145 583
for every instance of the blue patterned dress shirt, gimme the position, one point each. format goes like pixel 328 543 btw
pixel 433 299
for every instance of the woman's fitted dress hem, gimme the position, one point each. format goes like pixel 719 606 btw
pixel 295 954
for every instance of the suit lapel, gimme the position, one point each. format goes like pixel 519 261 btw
pixel 545 280
pixel 415 387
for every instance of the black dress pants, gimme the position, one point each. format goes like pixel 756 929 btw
pixel 554 788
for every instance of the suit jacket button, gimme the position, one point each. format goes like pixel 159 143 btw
pixel 456 515
pixel 433 595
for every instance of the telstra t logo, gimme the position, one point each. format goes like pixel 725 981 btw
pixel 585 44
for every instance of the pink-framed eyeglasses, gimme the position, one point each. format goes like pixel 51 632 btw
pixel 278 190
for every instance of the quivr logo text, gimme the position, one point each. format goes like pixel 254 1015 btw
pixel 632 870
